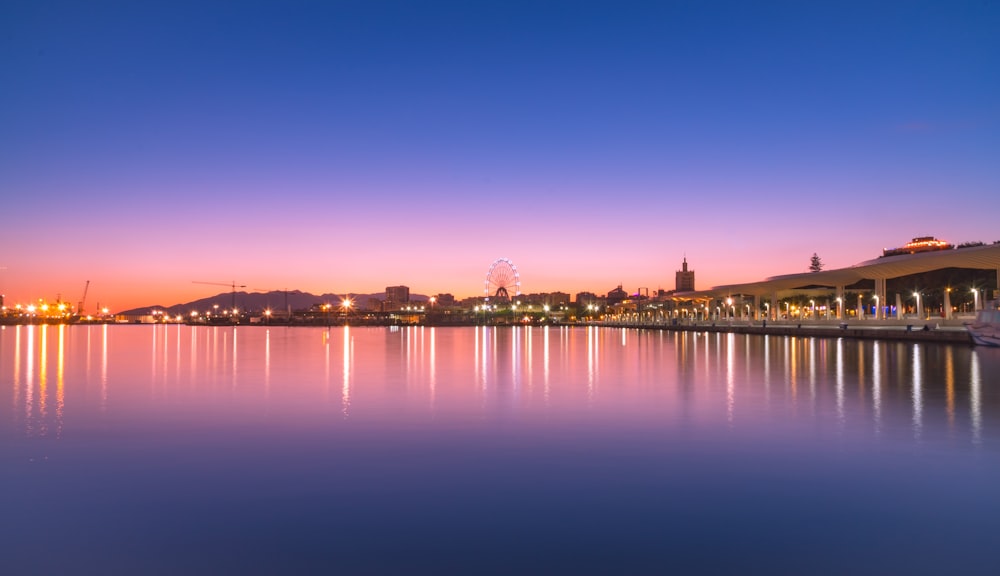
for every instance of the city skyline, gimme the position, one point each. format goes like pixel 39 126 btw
pixel 349 147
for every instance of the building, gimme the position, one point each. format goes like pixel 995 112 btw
pixel 617 295
pixel 584 298
pixel 445 299
pixel 684 278
pixel 396 296
pixel 919 244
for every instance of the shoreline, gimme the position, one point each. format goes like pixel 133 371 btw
pixel 907 332
pixel 893 331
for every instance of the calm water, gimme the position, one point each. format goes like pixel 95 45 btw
pixel 248 450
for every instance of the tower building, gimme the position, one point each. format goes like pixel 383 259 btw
pixel 685 278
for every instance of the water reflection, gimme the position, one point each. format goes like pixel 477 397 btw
pixel 839 361
pixel 682 379
pixel 975 399
pixel 345 391
pixel 917 388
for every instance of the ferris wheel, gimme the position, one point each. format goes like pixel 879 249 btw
pixel 502 281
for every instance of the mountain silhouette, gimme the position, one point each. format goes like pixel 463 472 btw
pixel 253 302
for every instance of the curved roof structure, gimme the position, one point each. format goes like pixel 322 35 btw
pixel 978 257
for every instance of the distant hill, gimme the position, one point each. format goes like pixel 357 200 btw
pixel 260 301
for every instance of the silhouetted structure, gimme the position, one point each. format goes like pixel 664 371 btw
pixel 395 296
pixel 684 278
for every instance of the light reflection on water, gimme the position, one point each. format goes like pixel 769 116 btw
pixel 463 371
pixel 514 434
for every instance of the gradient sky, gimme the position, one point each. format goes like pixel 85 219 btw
pixel 348 146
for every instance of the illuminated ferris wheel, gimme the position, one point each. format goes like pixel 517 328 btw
pixel 502 281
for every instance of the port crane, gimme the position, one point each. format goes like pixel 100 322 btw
pixel 83 299
pixel 232 285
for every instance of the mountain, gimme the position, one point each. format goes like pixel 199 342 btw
pixel 259 301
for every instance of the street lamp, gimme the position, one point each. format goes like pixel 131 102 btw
pixel 812 309
pixel 917 311
pixel 975 300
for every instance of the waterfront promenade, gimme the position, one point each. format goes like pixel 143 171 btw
pixel 945 331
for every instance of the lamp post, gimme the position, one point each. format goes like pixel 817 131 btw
pixel 975 300
pixel 812 309
pixel 919 310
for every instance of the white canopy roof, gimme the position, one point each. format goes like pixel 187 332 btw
pixel 978 257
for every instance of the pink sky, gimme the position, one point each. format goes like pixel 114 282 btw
pixel 344 148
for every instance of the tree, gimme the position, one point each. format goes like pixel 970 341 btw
pixel 815 263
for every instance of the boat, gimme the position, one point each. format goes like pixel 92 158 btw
pixel 919 244
pixel 985 330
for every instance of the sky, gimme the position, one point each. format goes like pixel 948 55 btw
pixel 346 146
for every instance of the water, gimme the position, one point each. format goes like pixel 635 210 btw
pixel 252 450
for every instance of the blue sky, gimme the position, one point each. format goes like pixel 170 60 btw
pixel 346 146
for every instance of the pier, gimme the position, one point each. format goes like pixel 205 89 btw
pixel 950 332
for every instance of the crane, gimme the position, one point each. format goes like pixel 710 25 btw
pixel 83 300
pixel 232 284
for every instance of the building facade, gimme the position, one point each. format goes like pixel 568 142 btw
pixel 684 278
pixel 396 296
